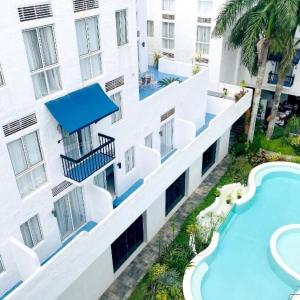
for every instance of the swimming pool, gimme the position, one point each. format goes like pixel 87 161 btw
pixel 241 266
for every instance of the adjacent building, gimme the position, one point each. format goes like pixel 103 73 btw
pixel 97 151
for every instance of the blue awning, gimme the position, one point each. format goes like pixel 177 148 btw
pixel 81 108
pixel 278 57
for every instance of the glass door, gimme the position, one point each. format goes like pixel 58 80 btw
pixel 166 138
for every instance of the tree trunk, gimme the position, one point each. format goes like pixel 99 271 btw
pixel 263 49
pixel 278 92
pixel 247 116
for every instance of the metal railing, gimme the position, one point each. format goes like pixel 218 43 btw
pixel 273 79
pixel 83 167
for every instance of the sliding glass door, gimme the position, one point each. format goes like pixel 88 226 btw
pixel 166 138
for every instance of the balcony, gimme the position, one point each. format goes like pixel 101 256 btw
pixel 273 79
pixel 80 169
pixel 149 82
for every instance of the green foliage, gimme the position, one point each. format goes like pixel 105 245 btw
pixel 239 171
pixel 279 132
pixel 293 126
pixel 277 145
pixel 166 81
pixel 256 144
pixel 196 69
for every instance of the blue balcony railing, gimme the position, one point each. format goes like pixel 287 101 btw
pixel 80 169
pixel 273 79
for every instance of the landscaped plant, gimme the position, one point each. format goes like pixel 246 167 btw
pixel 166 81
pixel 293 126
pixel 241 93
pixel 295 143
pixel 225 93
pixel 239 194
pixel 156 57
pixel 229 199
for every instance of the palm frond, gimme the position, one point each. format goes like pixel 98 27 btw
pixel 166 81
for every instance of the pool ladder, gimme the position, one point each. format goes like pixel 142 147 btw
pixel 295 293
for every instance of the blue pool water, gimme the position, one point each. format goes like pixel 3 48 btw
pixel 242 267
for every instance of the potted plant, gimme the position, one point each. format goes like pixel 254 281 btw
pixel 156 57
pixel 229 199
pixel 225 93
pixel 242 93
pixel 239 194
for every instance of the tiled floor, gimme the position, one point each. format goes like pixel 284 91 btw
pixel 123 286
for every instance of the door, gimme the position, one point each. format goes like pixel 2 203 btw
pixel 166 138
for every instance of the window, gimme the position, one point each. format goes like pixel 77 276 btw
pixel 121 23
pixel 42 59
pixel 148 140
pixel 31 232
pixel 127 243
pixel 174 193
pixel 129 159
pixel 150 28
pixel 2 82
pixel 168 35
pixel 168 4
pixel 27 161
pixel 205 8
pixel 77 144
pixel 89 47
pixel 209 158
pixel 70 212
pixel 117 99
pixel 2 268
pixel 166 138
pixel 203 39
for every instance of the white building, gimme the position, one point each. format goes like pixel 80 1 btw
pixel 181 30
pixel 95 157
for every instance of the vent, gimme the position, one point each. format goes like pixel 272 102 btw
pixel 20 124
pixel 168 17
pixel 33 12
pixel 80 5
pixel 113 84
pixel 167 115
pixel 168 54
pixel 60 187
pixel 203 20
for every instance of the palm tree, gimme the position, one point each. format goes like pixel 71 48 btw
pixel 254 25
pixel 288 47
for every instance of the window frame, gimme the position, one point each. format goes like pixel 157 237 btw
pixel 130 151
pixel 90 54
pixel 152 28
pixel 2 266
pixel 118 113
pixel 150 137
pixel 44 68
pixel 121 43
pixel 30 230
pixel 199 43
pixel 29 168
pixel 2 80
pixel 168 38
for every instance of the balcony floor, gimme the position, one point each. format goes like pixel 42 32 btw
pixel 208 118
pixel 149 89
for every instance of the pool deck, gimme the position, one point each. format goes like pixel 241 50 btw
pixel 124 285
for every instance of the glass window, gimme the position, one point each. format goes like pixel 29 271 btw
pixel 148 140
pixel 129 159
pixel 121 24
pixel 2 82
pixel 31 232
pixel 205 8
pixel 2 268
pixel 166 138
pixel 70 212
pixel 89 47
pixel 168 4
pixel 203 39
pixel 117 99
pixel 42 59
pixel 150 28
pixel 27 162
pixel 168 35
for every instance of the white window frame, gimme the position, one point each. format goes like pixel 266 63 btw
pixel 2 267
pixel 201 43
pixel 29 169
pixel 118 115
pixel 120 42
pixel 91 53
pixel 2 80
pixel 150 28
pixel 149 140
pixel 168 5
pixel 129 159
pixel 44 69
pixel 167 38
pixel 31 231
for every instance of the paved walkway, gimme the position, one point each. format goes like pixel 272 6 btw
pixel 123 286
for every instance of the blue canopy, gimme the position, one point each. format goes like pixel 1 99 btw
pixel 81 108
pixel 278 57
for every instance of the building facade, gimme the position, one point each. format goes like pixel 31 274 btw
pixel 96 154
